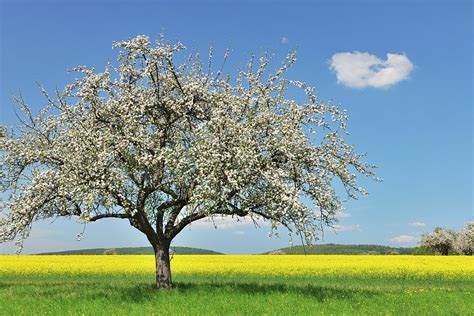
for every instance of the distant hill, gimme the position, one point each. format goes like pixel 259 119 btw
pixel 132 251
pixel 323 249
pixel 336 249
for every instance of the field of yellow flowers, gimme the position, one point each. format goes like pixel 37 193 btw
pixel 323 265
pixel 238 284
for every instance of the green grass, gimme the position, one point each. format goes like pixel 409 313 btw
pixel 102 294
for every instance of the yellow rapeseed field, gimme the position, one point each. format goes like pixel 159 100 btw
pixel 315 265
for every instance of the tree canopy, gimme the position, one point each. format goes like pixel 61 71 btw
pixel 163 139
pixel 464 243
pixel 440 240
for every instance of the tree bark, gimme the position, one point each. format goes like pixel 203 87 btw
pixel 163 267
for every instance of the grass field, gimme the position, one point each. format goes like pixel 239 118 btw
pixel 216 284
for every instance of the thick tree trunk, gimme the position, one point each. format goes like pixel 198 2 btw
pixel 163 268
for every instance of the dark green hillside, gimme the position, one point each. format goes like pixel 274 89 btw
pixel 133 251
pixel 323 249
pixel 335 249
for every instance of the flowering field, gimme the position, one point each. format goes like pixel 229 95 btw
pixel 238 284
pixel 328 265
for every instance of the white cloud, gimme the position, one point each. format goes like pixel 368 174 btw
pixel 361 70
pixel 347 228
pixel 239 232
pixel 404 239
pixel 285 40
pixel 343 215
pixel 417 224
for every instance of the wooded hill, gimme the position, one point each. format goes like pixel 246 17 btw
pixel 323 249
pixel 336 249
pixel 133 251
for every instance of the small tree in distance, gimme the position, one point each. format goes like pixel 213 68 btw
pixel 464 243
pixel 440 240
pixel 162 144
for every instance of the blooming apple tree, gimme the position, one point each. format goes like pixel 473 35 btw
pixel 440 240
pixel 162 143
pixel 464 243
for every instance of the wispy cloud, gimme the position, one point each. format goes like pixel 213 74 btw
pixel 347 228
pixel 417 224
pixel 343 215
pixel 402 239
pixel 361 70
pixel 285 40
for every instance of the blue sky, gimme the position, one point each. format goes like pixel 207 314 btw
pixel 418 130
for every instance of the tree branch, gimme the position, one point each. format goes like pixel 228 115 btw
pixel 174 230
pixel 109 215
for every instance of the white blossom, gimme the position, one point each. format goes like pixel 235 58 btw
pixel 440 240
pixel 464 243
pixel 163 144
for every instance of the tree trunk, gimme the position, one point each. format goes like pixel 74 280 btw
pixel 444 250
pixel 163 268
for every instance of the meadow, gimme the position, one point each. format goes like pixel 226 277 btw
pixel 238 284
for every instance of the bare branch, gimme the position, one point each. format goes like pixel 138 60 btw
pixel 108 215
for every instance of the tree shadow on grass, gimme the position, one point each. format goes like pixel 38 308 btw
pixel 146 291
pixel 143 292
pixel 4 285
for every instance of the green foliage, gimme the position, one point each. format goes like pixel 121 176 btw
pixel 210 294
pixel 335 249
pixel 422 251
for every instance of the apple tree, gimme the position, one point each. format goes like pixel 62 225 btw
pixel 162 140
